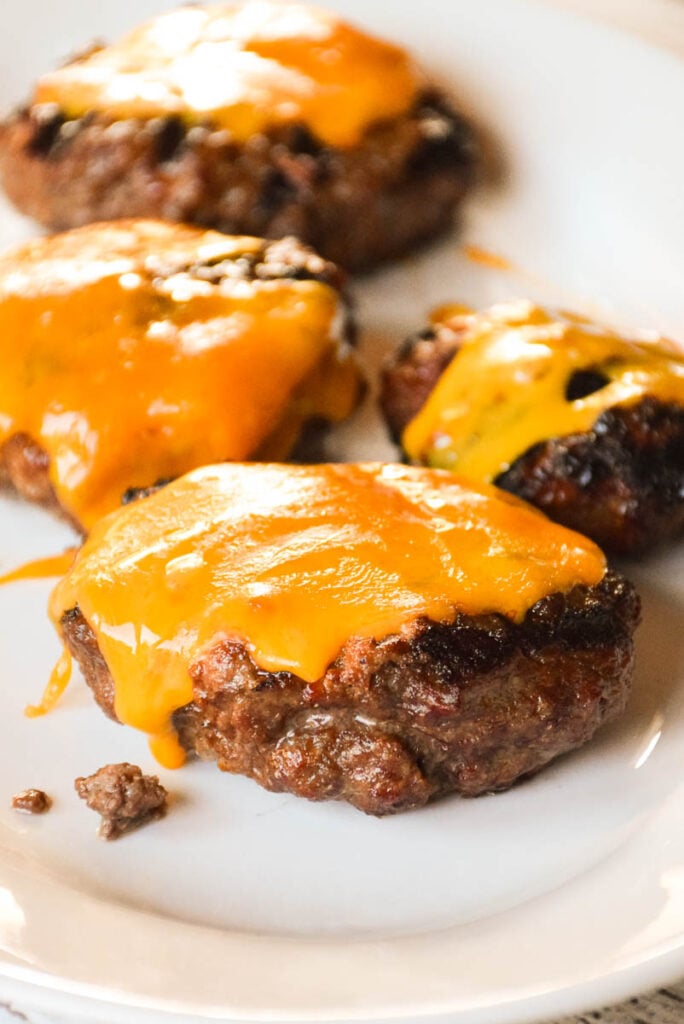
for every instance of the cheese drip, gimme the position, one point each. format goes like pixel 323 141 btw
pixel 40 568
pixel 127 366
pixel 505 390
pixel 294 561
pixel 244 68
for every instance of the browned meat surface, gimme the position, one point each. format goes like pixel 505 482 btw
pixel 31 801
pixel 24 468
pixel 124 797
pixel 410 377
pixel 466 708
pixel 359 207
pixel 621 483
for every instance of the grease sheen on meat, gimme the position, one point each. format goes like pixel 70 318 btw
pixel 448 638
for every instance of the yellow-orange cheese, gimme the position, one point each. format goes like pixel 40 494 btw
pixel 293 562
pixel 505 390
pixel 244 68
pixel 126 367
pixel 40 568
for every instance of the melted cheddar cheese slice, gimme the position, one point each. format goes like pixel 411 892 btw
pixel 507 387
pixel 244 68
pixel 293 562
pixel 127 365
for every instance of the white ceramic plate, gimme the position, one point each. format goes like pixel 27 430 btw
pixel 564 893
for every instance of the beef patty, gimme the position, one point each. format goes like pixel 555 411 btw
pixel 620 482
pixel 466 708
pixel 393 181
pixel 25 465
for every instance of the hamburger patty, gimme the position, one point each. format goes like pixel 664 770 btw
pixel 358 206
pixel 621 483
pixel 25 465
pixel 25 469
pixel 465 708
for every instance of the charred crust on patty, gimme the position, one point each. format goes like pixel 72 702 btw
pixel 410 376
pixel 621 483
pixel 284 259
pixel 468 707
pixel 397 188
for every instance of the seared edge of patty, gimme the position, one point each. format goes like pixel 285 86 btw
pixel 361 206
pixel 25 465
pixel 465 708
pixel 25 470
pixel 410 375
pixel 621 483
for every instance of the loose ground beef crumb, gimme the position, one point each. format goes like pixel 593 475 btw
pixel 123 796
pixel 31 801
